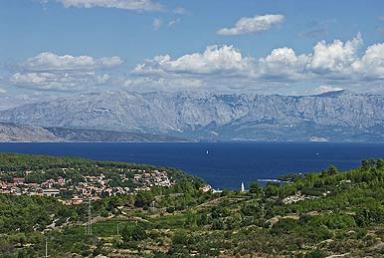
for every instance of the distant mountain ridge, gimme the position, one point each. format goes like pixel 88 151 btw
pixel 337 116
pixel 21 133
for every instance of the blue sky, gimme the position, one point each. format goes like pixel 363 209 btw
pixel 138 31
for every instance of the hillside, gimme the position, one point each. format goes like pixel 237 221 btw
pixel 21 133
pixel 308 215
pixel 16 133
pixel 339 116
pixel 92 135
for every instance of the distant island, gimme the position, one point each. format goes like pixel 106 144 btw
pixel 71 207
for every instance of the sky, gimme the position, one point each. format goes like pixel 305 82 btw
pixel 291 47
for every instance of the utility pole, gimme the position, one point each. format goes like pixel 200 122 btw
pixel 46 247
pixel 89 224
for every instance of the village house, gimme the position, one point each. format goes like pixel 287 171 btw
pixel 51 192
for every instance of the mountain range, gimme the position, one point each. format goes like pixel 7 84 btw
pixel 204 116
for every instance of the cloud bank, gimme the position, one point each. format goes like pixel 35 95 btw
pixel 336 62
pixel 49 71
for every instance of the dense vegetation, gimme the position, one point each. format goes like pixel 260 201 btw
pixel 308 215
pixel 41 168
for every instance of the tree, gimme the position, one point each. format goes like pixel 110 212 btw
pixel 255 189
pixel 332 170
pixel 144 198
pixel 272 189
pixel 250 209
pixel 135 233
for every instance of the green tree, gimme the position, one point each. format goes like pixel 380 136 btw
pixel 332 170
pixel 255 189
pixel 135 233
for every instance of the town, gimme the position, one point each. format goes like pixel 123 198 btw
pixel 94 187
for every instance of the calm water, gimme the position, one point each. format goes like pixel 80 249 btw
pixel 226 165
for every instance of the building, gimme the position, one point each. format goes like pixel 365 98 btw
pixel 51 192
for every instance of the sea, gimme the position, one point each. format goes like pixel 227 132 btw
pixel 222 165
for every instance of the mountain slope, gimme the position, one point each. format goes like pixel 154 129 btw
pixel 341 116
pixel 89 135
pixel 18 133
pixel 11 132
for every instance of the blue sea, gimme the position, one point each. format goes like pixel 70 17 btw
pixel 223 165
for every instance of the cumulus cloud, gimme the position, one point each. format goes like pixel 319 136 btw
pixel 283 63
pixel 251 25
pixel 214 59
pixel 371 65
pixel 335 58
pixel 49 71
pixel 133 5
pixel 330 62
pixel 337 63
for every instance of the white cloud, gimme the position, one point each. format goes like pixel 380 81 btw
pixel 133 5
pixel 48 61
pixel 157 23
pixel 222 67
pixel 329 61
pixel 325 89
pixel 371 65
pixel 58 82
pixel 336 62
pixel 252 25
pixel 283 63
pixel 2 91
pixel 335 58
pixel 48 71
pixel 214 59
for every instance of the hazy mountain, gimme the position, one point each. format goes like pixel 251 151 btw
pixel 89 135
pixel 339 116
pixel 18 133
pixel 11 133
